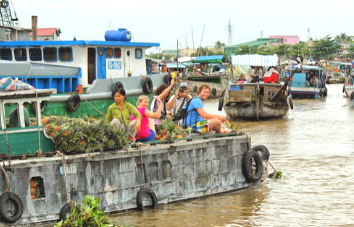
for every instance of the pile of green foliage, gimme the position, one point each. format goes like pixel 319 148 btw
pixel 87 214
pixel 84 135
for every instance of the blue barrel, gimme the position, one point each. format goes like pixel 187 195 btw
pixel 121 35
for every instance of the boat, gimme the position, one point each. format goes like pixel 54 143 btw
pixel 348 87
pixel 255 100
pixel 42 187
pixel 85 73
pixel 300 86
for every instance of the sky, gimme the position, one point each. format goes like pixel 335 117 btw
pixel 190 22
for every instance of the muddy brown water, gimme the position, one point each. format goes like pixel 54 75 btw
pixel 314 148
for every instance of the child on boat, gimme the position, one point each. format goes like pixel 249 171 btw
pixel 147 128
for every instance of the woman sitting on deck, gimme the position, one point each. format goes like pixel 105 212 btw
pixel 118 114
pixel 147 128
pixel 271 75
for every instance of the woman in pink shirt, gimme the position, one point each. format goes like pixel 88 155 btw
pixel 147 127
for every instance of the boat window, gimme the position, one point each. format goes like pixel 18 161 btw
pixel 5 54
pixel 20 54
pixel 109 53
pixel 50 53
pixel 138 53
pixel 117 53
pixel 35 54
pixel 65 54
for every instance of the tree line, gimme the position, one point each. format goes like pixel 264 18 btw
pixel 327 48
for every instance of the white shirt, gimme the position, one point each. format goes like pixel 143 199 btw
pixel 178 101
pixel 269 72
pixel 249 73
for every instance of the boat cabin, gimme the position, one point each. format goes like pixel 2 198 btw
pixel 65 64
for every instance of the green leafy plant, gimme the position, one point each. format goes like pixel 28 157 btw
pixel 80 135
pixel 85 215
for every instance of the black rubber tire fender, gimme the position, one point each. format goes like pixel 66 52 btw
pixel 151 194
pixel 18 207
pixel 291 102
pixel 262 151
pixel 214 91
pixel 147 85
pixel 321 93
pixel 65 211
pixel 43 106
pixel 343 88
pixel 74 102
pixel 352 95
pixel 247 166
pixel 195 88
pixel 325 92
pixel 221 103
pixel 167 79
pixel 116 86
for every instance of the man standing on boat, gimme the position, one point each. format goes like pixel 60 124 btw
pixel 198 119
pixel 250 74
pixel 180 94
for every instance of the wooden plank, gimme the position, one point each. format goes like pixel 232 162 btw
pixel 241 95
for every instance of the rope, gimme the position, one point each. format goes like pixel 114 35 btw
pixel 64 170
pixel 29 71
pixel 139 145
pixel 7 178
pixel 7 140
pixel 39 135
pixel 93 106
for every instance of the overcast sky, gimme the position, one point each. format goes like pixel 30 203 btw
pixel 166 21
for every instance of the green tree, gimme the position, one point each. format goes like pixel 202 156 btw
pixel 219 44
pixel 265 50
pixel 325 47
pixel 282 49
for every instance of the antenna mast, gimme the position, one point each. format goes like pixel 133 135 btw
pixel 6 18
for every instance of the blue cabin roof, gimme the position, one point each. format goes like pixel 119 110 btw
pixel 76 42
pixel 309 67
pixel 209 59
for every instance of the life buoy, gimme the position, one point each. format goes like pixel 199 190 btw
pixel 262 151
pixel 18 206
pixel 151 194
pixel 352 96
pixel 291 102
pixel 43 106
pixel 167 79
pixel 221 103
pixel 65 211
pixel 74 102
pixel 213 91
pixel 147 85
pixel 116 86
pixel 251 174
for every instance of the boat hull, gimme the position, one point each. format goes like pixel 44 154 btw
pixel 178 171
pixel 253 101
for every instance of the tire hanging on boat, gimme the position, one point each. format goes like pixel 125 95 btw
pixel 16 201
pixel 43 106
pixel 291 102
pixel 321 93
pixel 147 85
pixel 352 96
pixel 262 151
pixel 195 88
pixel 251 160
pixel 167 79
pixel 65 211
pixel 74 102
pixel 116 86
pixel 221 103
pixel 151 194
pixel 213 91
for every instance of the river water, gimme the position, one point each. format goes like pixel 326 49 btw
pixel 314 148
